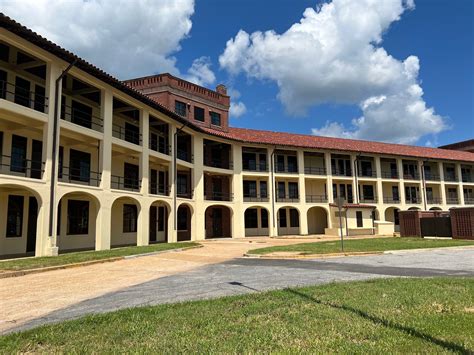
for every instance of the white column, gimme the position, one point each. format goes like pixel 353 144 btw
pixel 103 225
pixel 238 219
pixel 327 164
pixel 442 186
pixel 355 181
pixel 172 232
pixel 272 221
pixel 106 112
pixel 145 157
pixel 401 183
pixel 143 224
pixel 378 168
pixel 302 193
pixel 421 184
pixel 199 230
pixel 459 183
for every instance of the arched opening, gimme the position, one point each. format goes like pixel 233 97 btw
pixel 392 215
pixel 317 220
pixel 159 212
pixel 288 221
pixel 256 222
pixel 184 222
pixel 218 222
pixel 436 209
pixel 76 221
pixel 20 208
pixel 414 209
pixel 124 222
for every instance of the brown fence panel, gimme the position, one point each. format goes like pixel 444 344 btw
pixel 462 222
pixel 410 224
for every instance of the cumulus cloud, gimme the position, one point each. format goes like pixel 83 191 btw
pixel 126 38
pixel 334 55
pixel 200 72
pixel 237 109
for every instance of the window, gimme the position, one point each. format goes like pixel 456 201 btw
pixel 182 219
pixel 250 189
pixel 18 154
pixel 395 193
pixel 251 218
pixel 360 221
pixel 293 190
pixel 281 189
pixel 153 182
pixel 294 218
pixel 60 162
pixel 282 217
pixel 132 133
pixel 215 118
pixel 280 163
pixel 22 92
pixel 161 218
pixel 429 193
pixel 130 215
pixel 368 192
pixel 180 108
pixel 334 191
pixel 130 173
pixel 264 218
pixel 15 216
pixel 249 161
pixel 292 164
pixel 262 162
pixel 162 188
pixel 198 114
pixel 182 184
pixel 3 84
pixel 263 189
pixel 450 174
pixel 81 114
pixel 80 165
pixel 366 168
pixel 77 217
pixel 40 93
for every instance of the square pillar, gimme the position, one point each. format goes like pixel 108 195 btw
pixel 103 226
pixel 198 227
pixel 442 186
pixel 378 169
pixel 144 156
pixel 238 218
pixel 327 165
pixel 401 183
pixel 273 221
pixel 143 225
pixel 302 193
pixel 460 186
pixel 106 112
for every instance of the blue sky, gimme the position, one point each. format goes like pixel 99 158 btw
pixel 406 68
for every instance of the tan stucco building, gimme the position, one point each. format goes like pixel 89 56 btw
pixel 89 162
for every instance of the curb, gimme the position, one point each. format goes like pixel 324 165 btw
pixel 8 274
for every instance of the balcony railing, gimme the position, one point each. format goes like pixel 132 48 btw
pixel 391 200
pixel 450 177
pixel 78 176
pixel 434 200
pixel 338 172
pixel 255 198
pixel 316 198
pixel 312 170
pixel 286 169
pixel 218 163
pixel 185 155
pixel 159 146
pixel 469 200
pixel 368 200
pixel 218 196
pixel 82 118
pixel 185 194
pixel 123 183
pixel 23 97
pixel 126 134
pixel 432 177
pixel 369 173
pixel 157 189
pixel 413 200
pixel 256 167
pixel 410 176
pixel 21 167
pixel 388 174
pixel 287 198
pixel 467 178
pixel 452 200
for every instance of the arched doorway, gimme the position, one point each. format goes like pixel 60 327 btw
pixel 391 215
pixel 317 220
pixel 414 209
pixel 124 222
pixel 436 209
pixel 184 215
pixel 288 221
pixel 20 208
pixel 256 221
pixel 76 221
pixel 159 212
pixel 218 222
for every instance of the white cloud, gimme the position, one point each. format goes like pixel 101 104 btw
pixel 334 55
pixel 126 38
pixel 237 109
pixel 200 72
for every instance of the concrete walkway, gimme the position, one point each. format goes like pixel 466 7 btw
pixel 212 271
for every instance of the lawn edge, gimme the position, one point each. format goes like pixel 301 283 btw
pixel 18 273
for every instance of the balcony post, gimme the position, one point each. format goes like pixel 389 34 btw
pixel 327 166
pixel 378 170
pixel 143 224
pixel 302 193
pixel 172 231
pixel 238 219
pixel 103 223
pixel 401 183
pixel 106 112
pixel 197 184
pixel 145 156
pixel 460 185
pixel 272 222
pixel 442 186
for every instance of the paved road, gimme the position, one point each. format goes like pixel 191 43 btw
pixel 238 276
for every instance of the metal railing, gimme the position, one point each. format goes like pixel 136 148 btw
pixel 256 167
pixel 159 189
pixel 218 196
pixel 185 155
pixel 452 200
pixel 82 118
pixel 432 177
pixel 409 176
pixel 413 200
pixel 78 176
pixel 450 177
pixel 255 198
pixel 23 97
pixel 316 198
pixel 287 198
pixel 217 163
pixel 21 167
pixel 370 173
pixel 391 200
pixel 312 170
pixel 123 183
pixel 159 146
pixel 368 200
pixel 387 174
pixel 467 178
pixel 126 135
pixel 185 194
pixel 338 172
pixel 434 201
pixel 286 169
pixel 469 200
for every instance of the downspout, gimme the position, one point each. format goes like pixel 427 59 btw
pixel 175 174
pixel 57 110
pixel 272 174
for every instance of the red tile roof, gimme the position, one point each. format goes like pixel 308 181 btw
pixel 339 144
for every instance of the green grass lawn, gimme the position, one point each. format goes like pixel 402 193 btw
pixel 384 315
pixel 363 245
pixel 71 258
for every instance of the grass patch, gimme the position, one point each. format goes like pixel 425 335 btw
pixel 363 245
pixel 77 257
pixel 384 315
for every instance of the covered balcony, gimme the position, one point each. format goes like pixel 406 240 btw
pixel 255 190
pixel 287 191
pixel 126 173
pixel 254 159
pixel 450 172
pixel 217 187
pixel 126 122
pixel 184 183
pixel 433 194
pixel 389 168
pixel 431 171
pixel 316 191
pixel 412 194
pixel 367 193
pixel 410 170
pixel 467 172
pixel 217 154
pixel 452 197
pixel 159 177
pixel 391 193
pixel 159 136
pixel 468 196
pixel 366 167
pixel 286 161
pixel 184 150
pixel 314 164
pixel 341 165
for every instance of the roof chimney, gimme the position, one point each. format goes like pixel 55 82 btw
pixel 221 89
